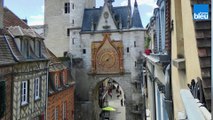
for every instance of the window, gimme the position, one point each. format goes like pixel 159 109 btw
pixel 84 51
pixel 68 32
pixel 38 48
pixel 64 77
pixel 24 92
pixel 67 7
pixel 56 113
pixel 25 48
pixel 127 50
pixel 73 22
pixel 73 6
pixel 135 64
pixel 56 81
pixel 37 88
pixel 73 41
pixel 64 111
pixel 134 43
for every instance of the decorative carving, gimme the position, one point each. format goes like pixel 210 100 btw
pixel 107 56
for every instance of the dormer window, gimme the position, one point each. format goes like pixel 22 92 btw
pixel 57 81
pixel 25 48
pixel 64 77
pixel 38 48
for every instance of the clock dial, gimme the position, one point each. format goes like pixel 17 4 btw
pixel 107 59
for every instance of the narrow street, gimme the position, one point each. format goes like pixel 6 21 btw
pixel 115 102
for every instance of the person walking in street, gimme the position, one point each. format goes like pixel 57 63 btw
pixel 122 102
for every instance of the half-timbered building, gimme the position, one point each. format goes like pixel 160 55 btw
pixel 26 88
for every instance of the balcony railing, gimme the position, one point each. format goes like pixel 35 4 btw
pixel 194 109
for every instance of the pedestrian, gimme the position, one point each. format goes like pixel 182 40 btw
pixel 118 96
pixel 117 89
pixel 122 102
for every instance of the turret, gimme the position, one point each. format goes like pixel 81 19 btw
pixel 136 19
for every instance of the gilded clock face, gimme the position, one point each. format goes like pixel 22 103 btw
pixel 107 59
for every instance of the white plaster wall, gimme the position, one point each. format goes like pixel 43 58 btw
pixel 57 23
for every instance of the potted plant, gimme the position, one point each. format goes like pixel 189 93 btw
pixel 147 43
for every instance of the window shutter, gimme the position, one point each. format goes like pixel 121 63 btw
pixel 28 91
pixel 40 85
pixel 3 98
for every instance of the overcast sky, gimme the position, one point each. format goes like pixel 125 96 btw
pixel 33 10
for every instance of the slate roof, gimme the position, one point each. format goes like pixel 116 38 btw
pixel 15 27
pixel 6 56
pixel 57 66
pixel 17 31
pixel 136 19
pixel 93 15
pixel 90 15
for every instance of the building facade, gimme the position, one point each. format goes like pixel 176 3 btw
pixel 61 17
pixel 27 85
pixel 158 75
pixel 60 91
pixel 6 68
pixel 105 44
pixel 178 77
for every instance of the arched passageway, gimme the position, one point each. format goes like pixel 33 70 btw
pixel 109 94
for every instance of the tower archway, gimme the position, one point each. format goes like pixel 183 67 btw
pixel 109 93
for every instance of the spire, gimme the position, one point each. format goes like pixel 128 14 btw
pixel 136 3
pixel 109 1
pixel 136 18
pixel 129 3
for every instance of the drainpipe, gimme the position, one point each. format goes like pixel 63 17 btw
pixel 211 60
pixel 168 93
pixel 48 63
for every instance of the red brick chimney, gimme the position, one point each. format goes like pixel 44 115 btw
pixel 1 13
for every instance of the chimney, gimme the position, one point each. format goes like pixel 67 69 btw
pixel 1 13
pixel 25 20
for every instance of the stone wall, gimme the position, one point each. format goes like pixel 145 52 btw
pixel 86 83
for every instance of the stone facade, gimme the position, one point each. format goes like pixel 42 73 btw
pixel 58 24
pixel 88 26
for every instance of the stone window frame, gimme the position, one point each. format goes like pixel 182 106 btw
pixel 67 7
pixel 68 31
pixel 64 110
pixel 24 95
pixel 127 50
pixel 73 6
pixel 37 87
pixel 84 51
pixel 56 113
